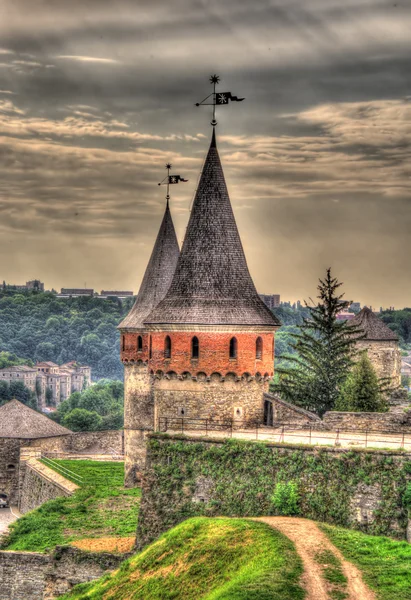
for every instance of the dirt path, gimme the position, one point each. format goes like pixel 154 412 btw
pixel 309 541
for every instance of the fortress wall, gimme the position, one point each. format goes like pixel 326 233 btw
pixel 385 356
pixel 9 468
pixel 40 484
pixel 219 398
pixel 96 442
pixel 34 576
pixel 212 477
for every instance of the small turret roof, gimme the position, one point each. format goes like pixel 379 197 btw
pixel 158 275
pixel 373 327
pixel 212 284
pixel 21 422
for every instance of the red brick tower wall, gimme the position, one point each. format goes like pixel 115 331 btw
pixel 214 353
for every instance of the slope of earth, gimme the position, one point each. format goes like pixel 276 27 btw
pixel 206 559
pixel 384 563
pixel 102 507
pixel 327 575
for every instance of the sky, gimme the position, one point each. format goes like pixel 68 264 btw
pixel 96 96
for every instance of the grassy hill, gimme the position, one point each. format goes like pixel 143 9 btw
pixel 207 559
pixel 101 507
pixel 385 563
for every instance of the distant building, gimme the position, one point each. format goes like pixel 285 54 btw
pixel 355 306
pixel 33 285
pixel 381 344
pixel 115 294
pixel 271 300
pixel 61 380
pixel 73 292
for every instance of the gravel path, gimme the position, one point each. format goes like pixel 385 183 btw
pixel 309 540
pixel 7 517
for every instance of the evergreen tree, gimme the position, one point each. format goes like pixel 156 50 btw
pixel 324 353
pixel 362 391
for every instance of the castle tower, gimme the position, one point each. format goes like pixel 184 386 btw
pixel 212 337
pixel 135 348
pixel 381 344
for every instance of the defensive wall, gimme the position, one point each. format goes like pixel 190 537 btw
pixel 86 442
pixel 35 576
pixel 360 489
pixel 38 483
pixel 396 420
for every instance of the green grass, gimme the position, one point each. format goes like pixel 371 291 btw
pixel 206 559
pixel 101 507
pixel 384 563
pixel 333 574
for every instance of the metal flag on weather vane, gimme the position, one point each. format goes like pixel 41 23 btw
pixel 175 179
pixel 224 97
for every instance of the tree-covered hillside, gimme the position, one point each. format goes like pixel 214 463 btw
pixel 40 326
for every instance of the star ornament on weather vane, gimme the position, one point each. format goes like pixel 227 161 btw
pixel 218 98
pixel 171 180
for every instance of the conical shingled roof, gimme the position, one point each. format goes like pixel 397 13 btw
pixel 373 327
pixel 158 275
pixel 212 284
pixel 21 422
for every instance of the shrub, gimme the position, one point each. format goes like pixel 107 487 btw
pixel 286 498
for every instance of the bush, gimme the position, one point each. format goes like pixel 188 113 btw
pixel 286 498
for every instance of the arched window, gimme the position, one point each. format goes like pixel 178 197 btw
pixel 123 342
pixel 259 348
pixel 233 347
pixel 167 347
pixel 139 343
pixel 195 347
pixel 150 347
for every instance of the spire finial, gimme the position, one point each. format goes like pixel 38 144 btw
pixel 217 98
pixel 170 179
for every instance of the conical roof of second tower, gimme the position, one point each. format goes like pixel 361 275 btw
pixel 212 284
pixel 158 275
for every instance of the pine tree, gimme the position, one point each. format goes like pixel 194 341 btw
pixel 324 353
pixel 362 391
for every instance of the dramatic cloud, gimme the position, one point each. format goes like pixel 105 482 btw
pixel 97 96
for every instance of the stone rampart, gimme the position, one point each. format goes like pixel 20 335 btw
pixel 39 483
pixel 34 576
pixel 360 489
pixel 389 422
pixel 84 442
pixel 22 575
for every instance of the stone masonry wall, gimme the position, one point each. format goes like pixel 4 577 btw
pixel 385 357
pixel 390 422
pixel 9 468
pixel 360 489
pixel 40 484
pixel 284 412
pixel 138 418
pixel 96 442
pixel 22 575
pixel 219 398
pixel 33 576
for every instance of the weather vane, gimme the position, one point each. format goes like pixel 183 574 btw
pixel 171 180
pixel 218 98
